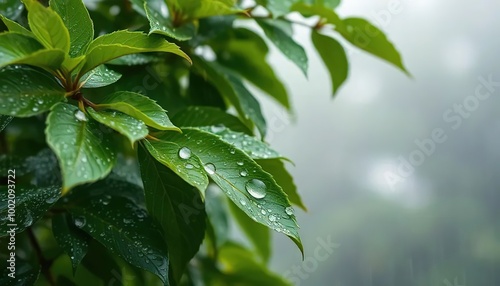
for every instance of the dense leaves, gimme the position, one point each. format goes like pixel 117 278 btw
pixel 243 180
pixel 96 88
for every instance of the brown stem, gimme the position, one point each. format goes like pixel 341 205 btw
pixel 89 103
pixel 150 137
pixel 44 264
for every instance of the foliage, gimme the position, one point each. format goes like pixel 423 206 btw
pixel 120 187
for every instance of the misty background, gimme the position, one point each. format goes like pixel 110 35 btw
pixel 438 224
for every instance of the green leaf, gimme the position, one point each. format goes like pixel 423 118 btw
pixel 178 208
pixel 70 238
pixel 11 9
pixel 259 235
pixel 4 121
pixel 369 38
pixel 180 160
pixel 217 214
pixel 48 26
pixel 285 44
pixel 328 15
pixel 124 229
pixel 30 205
pixel 202 92
pixel 16 27
pixel 246 54
pixel 334 57
pixel 121 43
pixel 194 116
pixel 206 8
pixel 255 191
pixel 241 268
pixel 99 77
pixel 85 152
pixel 277 8
pixel 162 25
pixel 234 91
pixel 254 148
pixel 324 4
pixel 134 60
pixel 277 168
pixel 20 49
pixel 26 92
pixel 132 128
pixel 77 19
pixel 140 107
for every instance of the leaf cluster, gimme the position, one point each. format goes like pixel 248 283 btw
pixel 141 148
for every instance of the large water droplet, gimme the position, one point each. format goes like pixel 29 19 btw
pixel 256 188
pixel 185 153
pixel 80 222
pixel 210 168
pixel 289 210
pixel 80 116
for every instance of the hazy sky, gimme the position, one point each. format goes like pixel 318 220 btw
pixel 353 140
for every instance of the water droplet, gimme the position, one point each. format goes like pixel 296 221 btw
pixel 127 220
pixel 185 153
pixel 256 188
pixel 51 200
pixel 217 128
pixel 80 116
pixel 210 168
pixel 289 210
pixel 272 218
pixel 243 173
pixel 239 163
pixel 189 166
pixel 243 202
pixel 80 222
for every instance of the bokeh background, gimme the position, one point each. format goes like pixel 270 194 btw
pixel 439 223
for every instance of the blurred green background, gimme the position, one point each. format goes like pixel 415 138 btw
pixel 439 225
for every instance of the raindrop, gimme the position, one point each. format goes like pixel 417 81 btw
pixel 185 153
pixel 243 173
pixel 80 116
pixel 272 218
pixel 210 168
pixel 289 210
pixel 243 203
pixel 189 166
pixel 51 200
pixel 256 188
pixel 80 222
pixel 217 128
pixel 239 163
pixel 127 220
